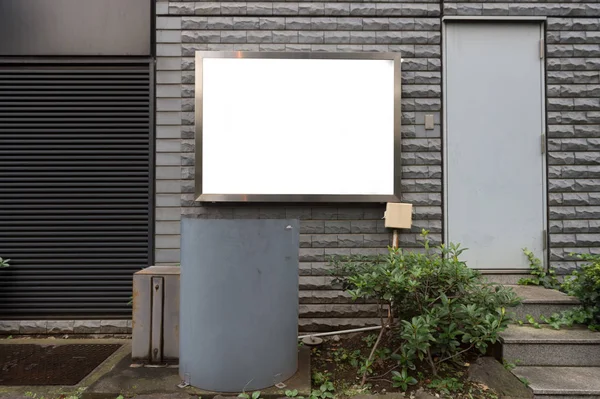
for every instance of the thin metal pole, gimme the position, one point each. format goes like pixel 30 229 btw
pixel 395 239
pixel 395 244
pixel 341 332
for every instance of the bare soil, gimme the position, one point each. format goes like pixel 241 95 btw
pixel 338 359
pixel 30 364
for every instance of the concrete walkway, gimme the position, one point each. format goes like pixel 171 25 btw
pixel 129 381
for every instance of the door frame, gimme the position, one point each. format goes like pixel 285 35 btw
pixel 541 21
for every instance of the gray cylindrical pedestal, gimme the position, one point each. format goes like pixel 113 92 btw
pixel 239 303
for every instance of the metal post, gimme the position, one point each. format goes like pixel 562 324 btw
pixel 157 319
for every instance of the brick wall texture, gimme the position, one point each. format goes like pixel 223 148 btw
pixel 414 29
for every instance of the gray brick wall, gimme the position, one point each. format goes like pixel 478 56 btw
pixel 573 89
pixel 412 28
pixel 169 108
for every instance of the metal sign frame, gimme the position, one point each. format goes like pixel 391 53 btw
pixel 200 196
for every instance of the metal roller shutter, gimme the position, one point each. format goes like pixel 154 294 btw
pixel 75 187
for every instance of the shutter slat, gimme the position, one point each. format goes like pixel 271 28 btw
pixel 75 172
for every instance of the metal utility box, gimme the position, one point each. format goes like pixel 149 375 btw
pixel 239 303
pixel 398 215
pixel 156 314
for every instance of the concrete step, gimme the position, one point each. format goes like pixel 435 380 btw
pixel 561 382
pixel 539 301
pixel 528 346
pixel 504 278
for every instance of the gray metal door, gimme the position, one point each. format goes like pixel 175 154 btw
pixel 495 170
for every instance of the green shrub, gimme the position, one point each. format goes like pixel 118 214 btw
pixel 253 395
pixel 446 385
pixel 326 389
pixel 402 379
pixel 541 277
pixel 445 308
pixel 4 262
pixel 584 284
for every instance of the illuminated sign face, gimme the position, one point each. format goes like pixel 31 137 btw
pixel 297 129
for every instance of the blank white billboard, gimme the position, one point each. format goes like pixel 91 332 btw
pixel 297 129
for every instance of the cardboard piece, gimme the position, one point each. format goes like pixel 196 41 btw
pixel 398 215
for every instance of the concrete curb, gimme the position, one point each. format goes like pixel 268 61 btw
pixel 61 327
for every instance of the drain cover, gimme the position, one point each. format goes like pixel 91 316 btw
pixel 65 364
